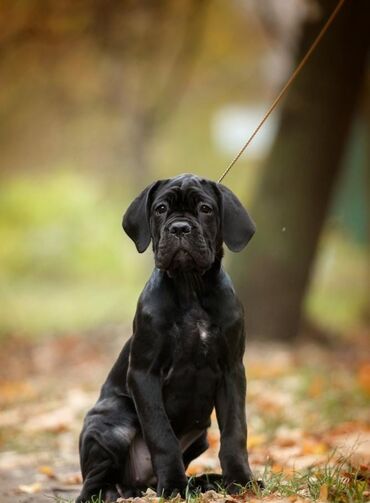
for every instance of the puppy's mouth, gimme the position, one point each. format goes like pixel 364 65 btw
pixel 182 255
pixel 182 259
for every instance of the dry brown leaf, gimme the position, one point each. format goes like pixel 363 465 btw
pixel 212 496
pixel 286 441
pixel 230 498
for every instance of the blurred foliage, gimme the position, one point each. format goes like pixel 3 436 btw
pixel 91 84
pixel 339 294
pixel 63 263
pixel 98 99
pixel 66 265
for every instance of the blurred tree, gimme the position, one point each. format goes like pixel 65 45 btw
pixel 63 65
pixel 300 172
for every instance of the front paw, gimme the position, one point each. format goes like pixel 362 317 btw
pixel 168 487
pixel 107 496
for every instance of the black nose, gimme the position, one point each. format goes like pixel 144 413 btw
pixel 179 228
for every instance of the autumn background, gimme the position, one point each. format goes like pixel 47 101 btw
pixel 100 98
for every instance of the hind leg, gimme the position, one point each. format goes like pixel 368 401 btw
pixel 100 474
pixel 104 445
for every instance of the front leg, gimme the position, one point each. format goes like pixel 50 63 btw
pixel 163 445
pixel 230 410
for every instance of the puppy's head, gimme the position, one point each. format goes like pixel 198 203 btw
pixel 187 218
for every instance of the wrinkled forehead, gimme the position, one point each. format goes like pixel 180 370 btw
pixel 186 190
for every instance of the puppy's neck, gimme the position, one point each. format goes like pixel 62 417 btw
pixel 192 284
pixel 187 285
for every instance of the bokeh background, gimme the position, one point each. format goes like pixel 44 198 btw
pixel 99 98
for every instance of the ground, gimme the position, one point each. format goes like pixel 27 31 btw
pixel 308 416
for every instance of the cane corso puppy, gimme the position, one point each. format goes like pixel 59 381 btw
pixel 185 356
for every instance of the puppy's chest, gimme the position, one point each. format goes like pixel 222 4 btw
pixel 196 343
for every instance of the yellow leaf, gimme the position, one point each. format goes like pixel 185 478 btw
pixel 313 447
pixel 47 470
pixel 255 440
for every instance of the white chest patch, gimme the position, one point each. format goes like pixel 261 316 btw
pixel 203 334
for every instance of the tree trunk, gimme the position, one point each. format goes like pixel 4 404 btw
pixel 300 173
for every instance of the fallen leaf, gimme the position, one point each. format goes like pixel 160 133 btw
pixel 310 446
pixel 47 470
pixel 255 440
pixel 72 479
pixel 55 421
pixel 363 377
pixel 15 391
pixel 355 447
pixel 230 498
pixel 286 470
pixel 212 496
pixel 316 387
pixel 286 441
pixel 30 488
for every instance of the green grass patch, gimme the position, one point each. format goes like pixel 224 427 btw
pixel 65 263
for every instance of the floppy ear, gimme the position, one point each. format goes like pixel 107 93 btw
pixel 237 225
pixel 136 219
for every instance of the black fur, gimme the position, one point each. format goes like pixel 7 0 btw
pixel 185 356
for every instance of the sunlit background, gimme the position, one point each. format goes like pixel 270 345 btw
pixel 98 99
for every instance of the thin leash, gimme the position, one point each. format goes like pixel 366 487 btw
pixel 286 86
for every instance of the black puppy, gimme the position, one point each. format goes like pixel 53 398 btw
pixel 186 353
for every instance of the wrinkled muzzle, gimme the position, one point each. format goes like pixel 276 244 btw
pixel 182 247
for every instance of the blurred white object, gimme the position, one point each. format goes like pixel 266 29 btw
pixel 233 124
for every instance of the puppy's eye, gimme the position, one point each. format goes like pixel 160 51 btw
pixel 161 208
pixel 205 208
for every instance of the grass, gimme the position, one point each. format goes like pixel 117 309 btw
pixel 336 483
